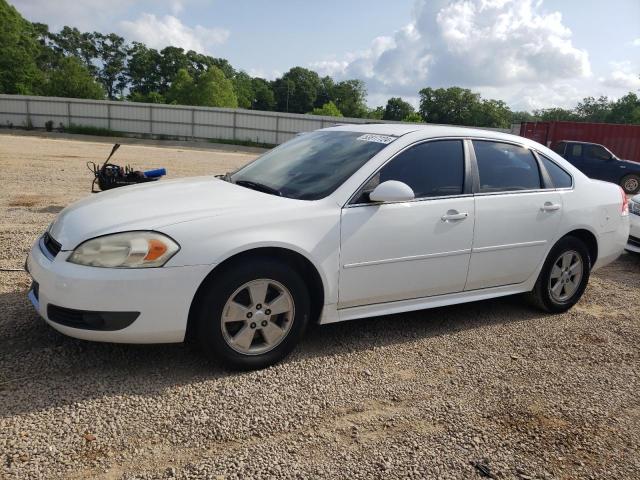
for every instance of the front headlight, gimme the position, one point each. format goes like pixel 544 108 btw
pixel 126 250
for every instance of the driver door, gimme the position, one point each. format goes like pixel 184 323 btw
pixel 410 249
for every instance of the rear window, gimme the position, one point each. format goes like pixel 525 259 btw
pixel 559 177
pixel 504 167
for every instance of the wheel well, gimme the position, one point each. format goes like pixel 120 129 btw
pixel 304 267
pixel 589 239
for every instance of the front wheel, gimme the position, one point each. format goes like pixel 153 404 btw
pixel 564 276
pixel 630 184
pixel 253 313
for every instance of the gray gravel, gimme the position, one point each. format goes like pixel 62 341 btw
pixel 494 386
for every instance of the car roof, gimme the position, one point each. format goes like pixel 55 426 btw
pixel 399 129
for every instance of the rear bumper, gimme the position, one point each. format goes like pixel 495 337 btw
pixel 612 244
pixel 633 243
pixel 99 303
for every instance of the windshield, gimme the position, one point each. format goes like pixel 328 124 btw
pixel 311 166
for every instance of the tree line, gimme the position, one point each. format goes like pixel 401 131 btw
pixel 71 63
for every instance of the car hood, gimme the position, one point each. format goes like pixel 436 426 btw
pixel 153 205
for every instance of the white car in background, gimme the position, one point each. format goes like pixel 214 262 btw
pixel 633 245
pixel 338 224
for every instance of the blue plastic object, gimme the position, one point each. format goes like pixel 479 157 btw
pixel 158 172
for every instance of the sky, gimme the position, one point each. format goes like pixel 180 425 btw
pixel 529 53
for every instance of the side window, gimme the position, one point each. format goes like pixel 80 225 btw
pixel 576 150
pixel 597 152
pixel 559 148
pixel 504 167
pixel 559 177
pixel 431 169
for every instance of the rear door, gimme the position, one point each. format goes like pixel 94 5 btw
pixel 516 216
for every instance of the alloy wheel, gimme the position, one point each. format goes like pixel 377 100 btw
pixel 566 275
pixel 257 316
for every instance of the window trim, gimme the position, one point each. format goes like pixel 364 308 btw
pixel 553 186
pixel 467 186
pixel 544 175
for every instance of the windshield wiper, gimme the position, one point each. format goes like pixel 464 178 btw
pixel 261 187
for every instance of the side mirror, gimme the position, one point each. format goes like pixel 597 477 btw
pixel 392 191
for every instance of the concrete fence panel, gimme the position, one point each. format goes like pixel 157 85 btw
pixel 164 120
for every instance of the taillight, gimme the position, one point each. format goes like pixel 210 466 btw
pixel 625 203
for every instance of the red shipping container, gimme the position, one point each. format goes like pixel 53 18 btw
pixel 622 140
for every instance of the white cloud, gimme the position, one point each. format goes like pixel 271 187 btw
pixel 158 32
pixel 623 76
pixel 636 42
pixel 480 44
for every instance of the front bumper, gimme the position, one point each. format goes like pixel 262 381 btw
pixel 161 297
pixel 633 244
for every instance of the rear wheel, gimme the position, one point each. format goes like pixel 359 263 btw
pixel 252 314
pixel 630 184
pixel 564 276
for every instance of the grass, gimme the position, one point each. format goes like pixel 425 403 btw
pixel 89 130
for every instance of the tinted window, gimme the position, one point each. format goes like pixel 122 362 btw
pixel 559 177
pixel 313 165
pixel 431 169
pixel 505 167
pixel 576 150
pixel 559 148
pixel 597 152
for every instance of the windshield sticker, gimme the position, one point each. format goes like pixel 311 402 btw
pixel 369 137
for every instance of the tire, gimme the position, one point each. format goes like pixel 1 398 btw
pixel 630 184
pixel 551 296
pixel 241 333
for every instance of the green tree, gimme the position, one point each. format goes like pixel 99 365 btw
pixel 143 71
pixel 325 91
pixel 413 117
pixel 521 117
pixel 297 90
pixel 210 89
pixel 182 89
pixel 70 78
pixel 19 49
pixel 72 42
pixel 591 109
pixel 350 97
pixel 172 60
pixel 112 53
pixel 453 106
pixel 243 88
pixel 397 109
pixel 555 113
pixel 376 113
pixel 329 109
pixel 492 113
pixel 626 110
pixel 263 96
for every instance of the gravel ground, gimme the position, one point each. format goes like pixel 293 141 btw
pixel 494 387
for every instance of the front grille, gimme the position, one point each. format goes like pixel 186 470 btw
pixel 634 241
pixel 50 244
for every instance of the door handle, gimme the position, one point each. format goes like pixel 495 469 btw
pixel 453 215
pixel 550 207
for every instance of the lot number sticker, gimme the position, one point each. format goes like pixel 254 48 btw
pixel 369 137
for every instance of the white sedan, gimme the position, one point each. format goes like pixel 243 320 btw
pixel 633 245
pixel 338 224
